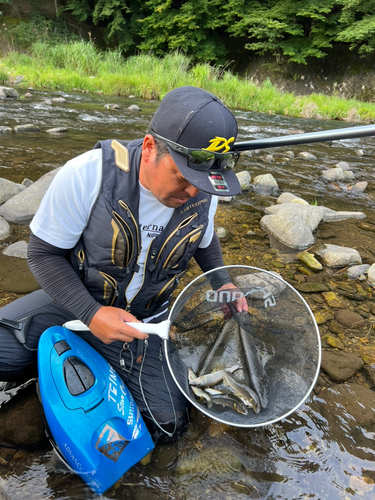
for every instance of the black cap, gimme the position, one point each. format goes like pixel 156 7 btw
pixel 192 117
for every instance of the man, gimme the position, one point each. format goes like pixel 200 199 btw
pixel 113 236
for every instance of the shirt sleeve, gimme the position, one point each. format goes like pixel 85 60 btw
pixel 207 238
pixel 65 208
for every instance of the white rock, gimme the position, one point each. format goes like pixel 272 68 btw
pixel 348 174
pixel 4 229
pixel 18 249
pixel 288 198
pixel 371 275
pixel 337 256
pixel 307 156
pixel 225 199
pixel 356 271
pixel 60 100
pixel 293 227
pixel 343 165
pixel 265 182
pixel 333 174
pixel 8 189
pixel 244 178
pixel 221 232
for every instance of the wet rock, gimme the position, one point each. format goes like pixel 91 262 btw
pixel 355 271
pixel 292 224
pixel 8 93
pixel 290 198
pixel 214 462
pixel 312 287
pixel 27 182
pixel 336 328
pixel 9 189
pixel 57 130
pixel 58 100
pixel 340 366
pixel 23 206
pixel 48 102
pixel 223 234
pixel 134 107
pixel 289 154
pixel 333 174
pixel 349 319
pixel 359 187
pixel 28 95
pixel 333 342
pixel 343 165
pixel 348 399
pixel 4 495
pixel 18 249
pixel 367 353
pixel 5 130
pixel 370 373
pixel 307 156
pixel 334 300
pixel 360 152
pixel 20 419
pixel 310 261
pixel 28 127
pixel 4 229
pixel 244 178
pixel 323 316
pixel 265 182
pixel 18 79
pixel 337 256
pixel 371 275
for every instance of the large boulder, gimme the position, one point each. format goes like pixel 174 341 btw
pixel 22 207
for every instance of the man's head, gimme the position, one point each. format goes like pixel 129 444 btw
pixel 199 132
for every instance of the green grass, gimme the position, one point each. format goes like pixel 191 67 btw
pixel 80 65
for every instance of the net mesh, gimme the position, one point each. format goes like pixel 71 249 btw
pixel 275 343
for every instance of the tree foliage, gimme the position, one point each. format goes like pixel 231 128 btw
pixel 295 30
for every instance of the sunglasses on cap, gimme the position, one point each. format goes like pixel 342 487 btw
pixel 201 159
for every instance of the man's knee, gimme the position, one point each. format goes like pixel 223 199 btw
pixel 169 427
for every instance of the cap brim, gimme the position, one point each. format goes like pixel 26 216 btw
pixel 215 182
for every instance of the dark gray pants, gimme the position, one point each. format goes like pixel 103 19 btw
pixel 19 362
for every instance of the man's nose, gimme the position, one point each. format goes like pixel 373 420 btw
pixel 191 190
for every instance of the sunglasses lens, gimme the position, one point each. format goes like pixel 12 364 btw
pixel 203 159
pixel 229 161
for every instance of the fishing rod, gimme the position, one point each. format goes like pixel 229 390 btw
pixel 288 140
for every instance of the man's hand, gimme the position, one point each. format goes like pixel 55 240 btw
pixel 239 304
pixel 109 324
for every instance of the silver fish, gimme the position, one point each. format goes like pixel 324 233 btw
pixel 212 378
pixel 247 395
pixel 230 401
pixel 200 393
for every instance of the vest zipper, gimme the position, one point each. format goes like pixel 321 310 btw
pixel 81 258
pixel 112 283
pixel 180 243
pixel 181 225
pixel 121 221
pixel 131 216
pixel 165 287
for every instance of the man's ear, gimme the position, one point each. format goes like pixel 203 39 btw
pixel 148 148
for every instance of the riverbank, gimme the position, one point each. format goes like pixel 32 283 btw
pixel 81 66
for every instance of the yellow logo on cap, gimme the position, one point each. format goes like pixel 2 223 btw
pixel 219 143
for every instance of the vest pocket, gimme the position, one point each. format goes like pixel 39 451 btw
pixel 110 291
pixel 166 291
pixel 101 286
pixel 180 250
pixel 122 242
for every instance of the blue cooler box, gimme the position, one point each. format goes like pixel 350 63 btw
pixel 93 420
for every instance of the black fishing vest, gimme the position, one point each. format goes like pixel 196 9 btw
pixel 107 253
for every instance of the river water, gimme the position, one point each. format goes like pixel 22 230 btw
pixel 309 454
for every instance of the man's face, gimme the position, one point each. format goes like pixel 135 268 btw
pixel 163 178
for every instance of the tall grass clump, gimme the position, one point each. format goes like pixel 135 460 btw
pixel 82 57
